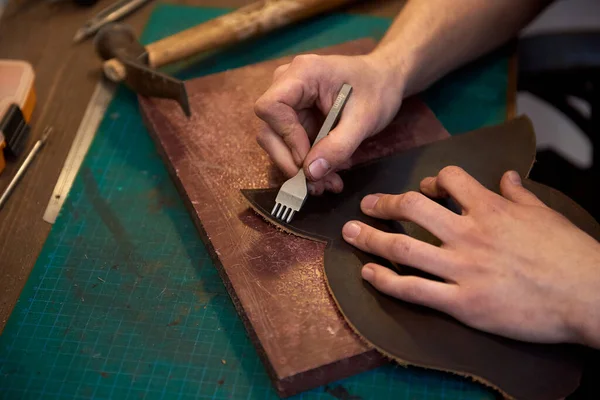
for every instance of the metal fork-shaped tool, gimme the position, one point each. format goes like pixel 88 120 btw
pixel 293 192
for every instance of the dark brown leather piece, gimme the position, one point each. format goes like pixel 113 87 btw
pixel 275 279
pixel 417 335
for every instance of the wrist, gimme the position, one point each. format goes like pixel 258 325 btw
pixel 398 68
pixel 386 85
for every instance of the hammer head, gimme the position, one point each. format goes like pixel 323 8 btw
pixel 117 41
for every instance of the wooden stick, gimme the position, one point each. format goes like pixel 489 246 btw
pixel 246 22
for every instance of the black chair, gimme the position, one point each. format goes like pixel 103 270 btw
pixel 553 67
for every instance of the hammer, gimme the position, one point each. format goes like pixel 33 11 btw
pixel 127 60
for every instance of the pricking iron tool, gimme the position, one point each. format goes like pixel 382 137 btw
pixel 293 192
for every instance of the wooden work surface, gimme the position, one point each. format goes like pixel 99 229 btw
pixel 41 33
pixel 275 279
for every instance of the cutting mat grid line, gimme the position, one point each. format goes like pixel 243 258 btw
pixel 124 301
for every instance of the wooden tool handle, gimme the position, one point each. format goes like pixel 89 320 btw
pixel 246 22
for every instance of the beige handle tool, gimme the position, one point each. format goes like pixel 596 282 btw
pixel 246 22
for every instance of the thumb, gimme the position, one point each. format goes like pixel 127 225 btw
pixel 513 190
pixel 335 149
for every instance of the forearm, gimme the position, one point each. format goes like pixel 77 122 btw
pixel 430 38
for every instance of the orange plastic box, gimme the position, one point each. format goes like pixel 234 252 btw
pixel 16 88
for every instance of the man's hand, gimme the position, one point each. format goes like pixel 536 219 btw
pixel 302 94
pixel 427 40
pixel 510 265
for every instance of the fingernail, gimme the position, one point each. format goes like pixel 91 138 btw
pixel 311 188
pixel 318 168
pixel 514 177
pixel 351 230
pixel 367 273
pixel 370 201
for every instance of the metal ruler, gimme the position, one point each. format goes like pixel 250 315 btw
pixel 94 112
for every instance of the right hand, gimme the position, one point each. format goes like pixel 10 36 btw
pixel 508 264
pixel 299 98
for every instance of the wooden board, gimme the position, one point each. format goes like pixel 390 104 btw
pixel 275 279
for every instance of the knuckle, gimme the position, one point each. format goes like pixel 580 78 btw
pixel 450 172
pixel 496 206
pixel 304 59
pixel 501 205
pixel 466 229
pixel 262 107
pixel 400 246
pixel 408 200
pixel 279 70
pixel 385 283
pixel 288 132
pixel 414 292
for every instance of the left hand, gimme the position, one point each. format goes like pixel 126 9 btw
pixel 510 265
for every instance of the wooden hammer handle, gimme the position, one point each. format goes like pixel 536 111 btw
pixel 246 22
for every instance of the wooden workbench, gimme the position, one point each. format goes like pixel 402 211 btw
pixel 41 33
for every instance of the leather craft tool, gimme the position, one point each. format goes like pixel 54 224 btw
pixel 23 168
pixel 293 192
pixel 112 13
pixel 127 60
pixel 83 139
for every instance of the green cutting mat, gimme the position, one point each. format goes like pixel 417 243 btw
pixel 124 302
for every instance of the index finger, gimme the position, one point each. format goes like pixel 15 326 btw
pixel 279 108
